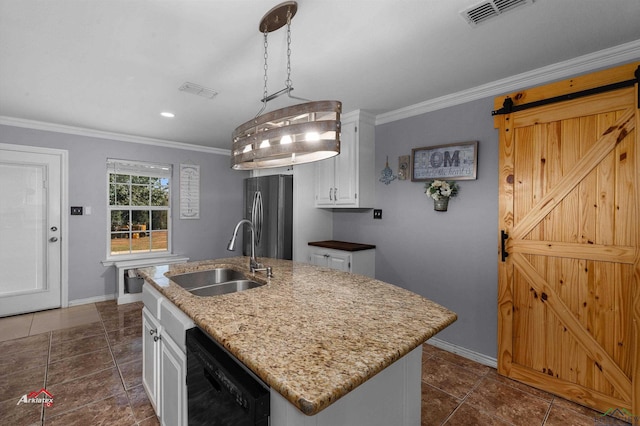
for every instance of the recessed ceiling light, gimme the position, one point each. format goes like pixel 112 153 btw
pixel 167 114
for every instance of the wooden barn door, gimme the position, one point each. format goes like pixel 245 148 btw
pixel 569 267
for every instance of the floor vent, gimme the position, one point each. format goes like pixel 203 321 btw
pixel 484 11
pixel 196 89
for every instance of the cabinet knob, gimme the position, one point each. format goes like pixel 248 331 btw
pixel 152 332
pixel 156 338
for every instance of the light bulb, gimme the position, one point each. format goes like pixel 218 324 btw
pixel 312 137
pixel 285 140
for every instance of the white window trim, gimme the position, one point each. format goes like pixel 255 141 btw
pixel 139 168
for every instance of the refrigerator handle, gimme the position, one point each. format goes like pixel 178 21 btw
pixel 254 210
pixel 259 216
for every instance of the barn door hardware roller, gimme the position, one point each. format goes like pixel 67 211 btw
pixel 508 106
pixel 503 245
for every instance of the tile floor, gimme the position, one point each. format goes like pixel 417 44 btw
pixel 89 358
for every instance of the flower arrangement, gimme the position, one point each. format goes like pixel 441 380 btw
pixel 440 189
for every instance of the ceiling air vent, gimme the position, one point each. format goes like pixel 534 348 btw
pixel 490 9
pixel 196 89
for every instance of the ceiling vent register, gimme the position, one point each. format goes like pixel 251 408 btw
pixel 484 11
pixel 196 89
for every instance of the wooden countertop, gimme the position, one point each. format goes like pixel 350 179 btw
pixel 313 334
pixel 342 245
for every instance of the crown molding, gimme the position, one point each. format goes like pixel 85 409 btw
pixel 80 131
pixel 616 55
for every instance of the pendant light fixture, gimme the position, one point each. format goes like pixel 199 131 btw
pixel 292 135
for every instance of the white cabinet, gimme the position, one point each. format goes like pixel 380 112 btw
pixel 347 180
pixel 164 359
pixel 334 259
pixel 173 384
pixel 150 357
pixel 358 262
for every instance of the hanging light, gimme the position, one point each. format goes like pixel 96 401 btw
pixel 292 135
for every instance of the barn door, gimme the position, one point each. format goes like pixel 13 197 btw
pixel 569 268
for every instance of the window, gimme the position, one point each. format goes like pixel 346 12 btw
pixel 139 207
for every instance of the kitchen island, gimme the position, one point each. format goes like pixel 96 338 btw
pixel 314 335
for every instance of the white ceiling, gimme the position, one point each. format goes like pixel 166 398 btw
pixel 114 65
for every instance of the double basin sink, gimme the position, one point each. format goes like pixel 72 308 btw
pixel 214 282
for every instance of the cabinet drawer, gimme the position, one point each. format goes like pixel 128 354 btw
pixel 175 323
pixel 151 299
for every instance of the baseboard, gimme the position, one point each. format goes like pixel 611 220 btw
pixel 464 352
pixel 95 299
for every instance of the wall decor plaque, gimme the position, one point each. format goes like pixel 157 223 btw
pixel 189 191
pixel 456 161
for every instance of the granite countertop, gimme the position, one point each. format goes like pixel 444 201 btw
pixel 341 245
pixel 313 334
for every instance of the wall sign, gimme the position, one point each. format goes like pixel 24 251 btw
pixel 457 161
pixel 189 191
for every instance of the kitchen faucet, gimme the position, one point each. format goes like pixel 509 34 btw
pixel 254 265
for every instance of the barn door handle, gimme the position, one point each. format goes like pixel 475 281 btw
pixel 503 244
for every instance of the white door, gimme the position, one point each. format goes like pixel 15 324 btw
pixel 30 222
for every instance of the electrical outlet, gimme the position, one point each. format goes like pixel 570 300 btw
pixel 76 211
pixel 377 213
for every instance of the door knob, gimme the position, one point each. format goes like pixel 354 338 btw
pixel 53 239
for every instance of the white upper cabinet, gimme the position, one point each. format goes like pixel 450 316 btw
pixel 347 180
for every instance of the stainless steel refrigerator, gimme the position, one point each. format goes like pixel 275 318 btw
pixel 268 203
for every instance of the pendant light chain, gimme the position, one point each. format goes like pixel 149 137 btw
pixel 266 67
pixel 288 82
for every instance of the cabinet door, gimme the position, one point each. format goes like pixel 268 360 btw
pixel 150 357
pixel 346 173
pixel 319 258
pixel 173 383
pixel 325 179
pixel 340 261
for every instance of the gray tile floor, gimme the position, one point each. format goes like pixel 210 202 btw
pixel 89 358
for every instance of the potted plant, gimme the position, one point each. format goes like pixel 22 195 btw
pixel 441 191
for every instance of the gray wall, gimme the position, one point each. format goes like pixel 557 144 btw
pixel 206 238
pixel 449 257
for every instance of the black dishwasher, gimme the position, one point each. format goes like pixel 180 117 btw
pixel 219 391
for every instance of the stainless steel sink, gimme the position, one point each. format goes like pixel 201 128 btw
pixel 193 280
pixel 214 282
pixel 224 288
